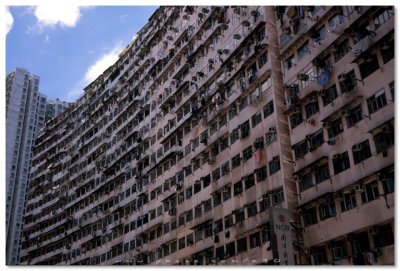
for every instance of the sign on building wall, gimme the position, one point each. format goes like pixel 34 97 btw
pixel 281 236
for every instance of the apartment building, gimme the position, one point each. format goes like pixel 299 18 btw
pixel 24 117
pixel 55 108
pixel 338 71
pixel 178 154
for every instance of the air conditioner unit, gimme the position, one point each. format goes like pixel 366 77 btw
pixel 237 36
pixel 357 147
pixel 359 188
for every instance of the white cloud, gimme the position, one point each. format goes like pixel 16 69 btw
pixel 57 13
pixel 47 39
pixel 9 20
pixel 103 63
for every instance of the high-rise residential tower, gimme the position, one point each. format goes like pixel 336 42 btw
pixel 25 112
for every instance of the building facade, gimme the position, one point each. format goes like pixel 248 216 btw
pixel 24 117
pixel 178 153
pixel 338 71
pixel 55 108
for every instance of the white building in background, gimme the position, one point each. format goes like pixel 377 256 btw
pixel 55 108
pixel 25 113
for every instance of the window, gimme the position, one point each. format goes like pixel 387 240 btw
pixel 355 115
pixel 226 193
pixel 310 216
pixel 256 119
pixel 216 174
pixel 288 63
pixel 182 243
pixel 234 136
pixel 245 129
pixel 349 201
pixel 322 173
pixel 219 253
pixel 217 198
pixel 206 181
pixel 383 236
pixel 376 102
pixel 369 65
pixel 388 183
pixel 341 162
pixel 264 204
pixel 274 165
pixel 370 192
pixel 277 196
pixel 348 81
pixel 255 240
pixel 329 95
pixel 296 119
pixel 311 109
pixel 306 182
pixel 237 188
pixel 303 50
pixel 218 226
pixel 261 173
pixel 387 51
pixel 361 151
pixel 252 209
pixel 263 59
pixel 268 109
pixel 341 50
pixel 339 249
pixel 228 221
pixel 189 193
pixel 189 239
pixel 335 127
pixel 225 168
pixel 230 249
pixel 271 136
pixel 198 235
pixel 300 149
pixel 316 139
pixel 239 215
pixel 327 209
pixel 207 205
pixel 236 161
pixel 247 153
pixel 381 17
pixel 242 244
pixel 243 104
pixel 266 84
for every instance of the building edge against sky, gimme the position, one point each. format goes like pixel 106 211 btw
pixel 177 152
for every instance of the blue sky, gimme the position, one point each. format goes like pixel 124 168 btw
pixel 69 46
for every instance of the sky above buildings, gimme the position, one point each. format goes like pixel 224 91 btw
pixel 69 46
